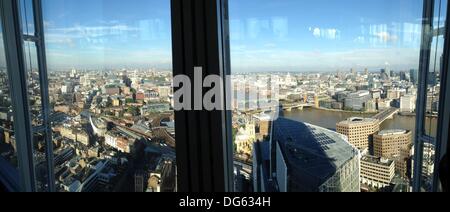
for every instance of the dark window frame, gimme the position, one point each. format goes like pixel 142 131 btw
pixel 204 148
pixel 444 108
pixel 13 42
pixel 428 33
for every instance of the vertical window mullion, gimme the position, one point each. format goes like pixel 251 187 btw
pixel 43 79
pixel 444 104
pixel 425 53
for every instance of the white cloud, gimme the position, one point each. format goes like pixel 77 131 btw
pixel 282 60
pixel 94 31
pixel 316 32
pixel 70 36
pixel 386 37
pixel 326 33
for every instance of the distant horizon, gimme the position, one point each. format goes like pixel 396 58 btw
pixel 266 35
pixel 118 69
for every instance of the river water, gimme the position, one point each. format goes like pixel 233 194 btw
pixel 328 119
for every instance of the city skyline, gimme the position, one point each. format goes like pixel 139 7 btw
pixel 265 36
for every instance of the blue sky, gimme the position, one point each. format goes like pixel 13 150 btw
pixel 108 33
pixel 266 35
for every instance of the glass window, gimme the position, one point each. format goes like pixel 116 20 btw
pixel 346 75
pixel 432 94
pixel 110 86
pixel 7 140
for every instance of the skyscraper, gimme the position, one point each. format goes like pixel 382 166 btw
pixel 414 75
pixel 402 75
pixel 384 74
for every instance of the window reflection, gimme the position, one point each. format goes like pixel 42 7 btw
pixel 110 85
pixel 7 140
pixel 348 67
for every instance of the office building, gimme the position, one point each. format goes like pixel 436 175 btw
pixel 377 172
pixel 359 131
pixel 308 158
pixel 388 143
pixel 408 103
pixel 357 101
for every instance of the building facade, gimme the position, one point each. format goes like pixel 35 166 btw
pixel 377 172
pixel 308 158
pixel 357 101
pixel 388 143
pixel 359 131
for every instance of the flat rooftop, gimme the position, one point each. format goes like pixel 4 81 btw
pixel 358 120
pixel 377 160
pixel 393 132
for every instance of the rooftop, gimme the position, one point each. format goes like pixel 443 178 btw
pixel 358 120
pixel 360 93
pixel 393 132
pixel 377 160
pixel 312 150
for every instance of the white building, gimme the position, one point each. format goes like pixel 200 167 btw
pixel 408 103
pixel 377 172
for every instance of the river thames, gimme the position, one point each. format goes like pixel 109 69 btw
pixel 328 119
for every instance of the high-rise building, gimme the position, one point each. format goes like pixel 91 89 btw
pixel 403 76
pixel 308 158
pixel 414 76
pixel 384 74
pixel 391 73
pixel 388 143
pixel 359 131
pixel 377 172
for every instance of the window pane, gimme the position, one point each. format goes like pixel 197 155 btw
pixel 110 82
pixel 34 86
pixel 428 166
pixel 27 14
pixel 432 94
pixel 40 162
pixel 347 82
pixel 435 69
pixel 7 141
